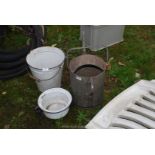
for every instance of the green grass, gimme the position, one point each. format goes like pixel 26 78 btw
pixel 18 97
pixel 14 39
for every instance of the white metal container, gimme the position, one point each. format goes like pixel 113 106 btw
pixel 97 37
pixel 55 102
pixel 46 65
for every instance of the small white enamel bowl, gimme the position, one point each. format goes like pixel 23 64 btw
pixel 55 102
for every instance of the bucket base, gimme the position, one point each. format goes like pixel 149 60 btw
pixel 88 106
pixel 43 86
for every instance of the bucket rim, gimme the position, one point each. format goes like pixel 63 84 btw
pixel 103 70
pixel 64 91
pixel 47 69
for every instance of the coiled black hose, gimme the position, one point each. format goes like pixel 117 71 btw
pixel 9 65
pixel 13 63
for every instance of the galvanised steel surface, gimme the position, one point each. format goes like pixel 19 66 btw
pixel 87 80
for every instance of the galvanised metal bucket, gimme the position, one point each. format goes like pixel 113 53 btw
pixel 87 79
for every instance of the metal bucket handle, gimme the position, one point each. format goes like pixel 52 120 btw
pixel 32 77
pixel 73 49
pixel 84 51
